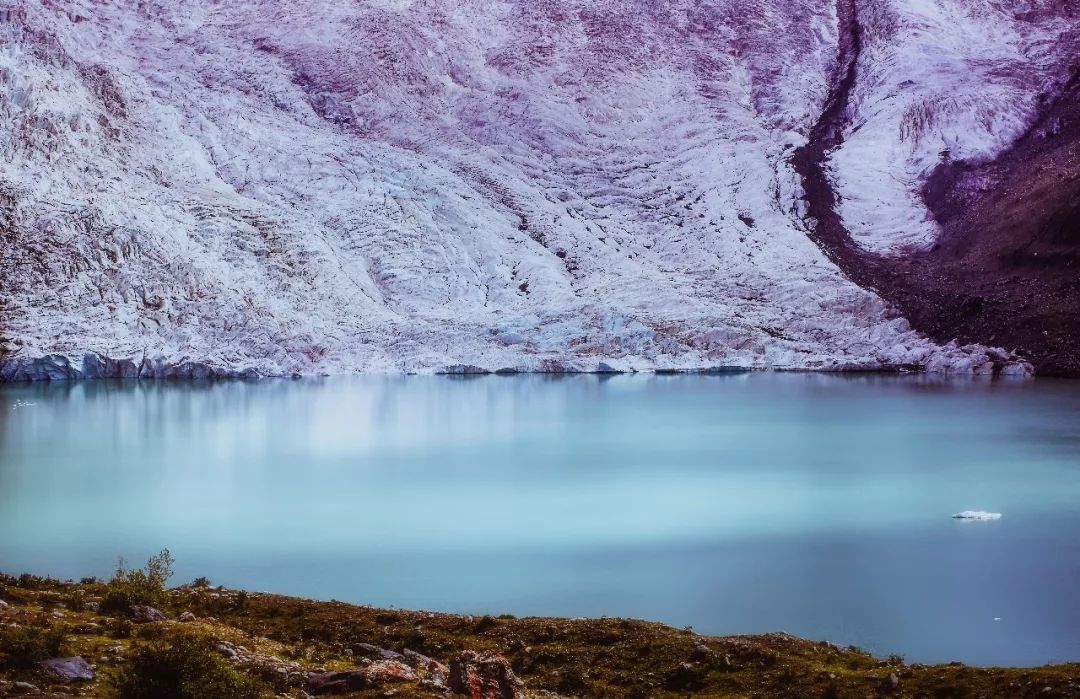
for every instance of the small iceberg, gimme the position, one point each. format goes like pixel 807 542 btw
pixel 977 514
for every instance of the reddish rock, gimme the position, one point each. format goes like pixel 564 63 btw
pixel 383 671
pixel 484 676
pixel 434 668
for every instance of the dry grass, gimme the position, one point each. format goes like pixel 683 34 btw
pixel 561 657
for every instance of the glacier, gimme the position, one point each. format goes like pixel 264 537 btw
pixel 257 188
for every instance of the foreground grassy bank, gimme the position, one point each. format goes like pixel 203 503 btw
pixel 205 642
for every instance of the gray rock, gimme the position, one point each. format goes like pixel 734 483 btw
pixel 700 652
pixel 74 669
pixel 373 651
pixel 23 688
pixel 187 617
pixel 143 614
pixel 378 673
pixel 366 649
pixel 227 649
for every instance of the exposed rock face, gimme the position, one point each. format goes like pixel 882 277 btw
pixel 67 670
pixel 1010 247
pixel 196 189
pixel 484 676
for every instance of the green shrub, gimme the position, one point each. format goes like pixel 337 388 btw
pixel 23 647
pixel 201 581
pixel 120 628
pixel 29 581
pixel 76 601
pixel 187 668
pixel 486 622
pixel 140 585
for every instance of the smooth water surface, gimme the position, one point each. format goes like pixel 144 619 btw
pixel 817 505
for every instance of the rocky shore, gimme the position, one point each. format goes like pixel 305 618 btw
pixel 211 641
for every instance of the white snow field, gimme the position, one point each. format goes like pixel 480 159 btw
pixel 192 187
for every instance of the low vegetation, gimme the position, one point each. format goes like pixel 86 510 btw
pixel 214 643
pixel 23 647
pixel 141 586
pixel 187 667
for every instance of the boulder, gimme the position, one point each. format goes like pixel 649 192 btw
pixel 700 652
pixel 434 668
pixel 143 614
pixel 378 673
pixel 334 682
pixel 187 617
pixel 227 649
pixel 415 659
pixel 383 671
pixel 66 670
pixel 372 651
pixel 484 676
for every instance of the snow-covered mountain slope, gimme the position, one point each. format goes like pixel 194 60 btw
pixel 305 186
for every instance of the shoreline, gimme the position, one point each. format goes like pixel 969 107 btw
pixel 294 647
pixel 66 372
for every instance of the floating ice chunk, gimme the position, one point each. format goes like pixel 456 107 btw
pixel 977 514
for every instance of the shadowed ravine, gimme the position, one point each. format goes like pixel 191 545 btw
pixel 1004 269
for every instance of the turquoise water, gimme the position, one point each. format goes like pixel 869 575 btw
pixel 818 505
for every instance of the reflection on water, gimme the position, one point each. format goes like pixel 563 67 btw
pixel 813 504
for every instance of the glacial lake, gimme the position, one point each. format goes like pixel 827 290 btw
pixel 819 505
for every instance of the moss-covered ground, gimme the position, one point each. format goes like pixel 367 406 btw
pixel 283 638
